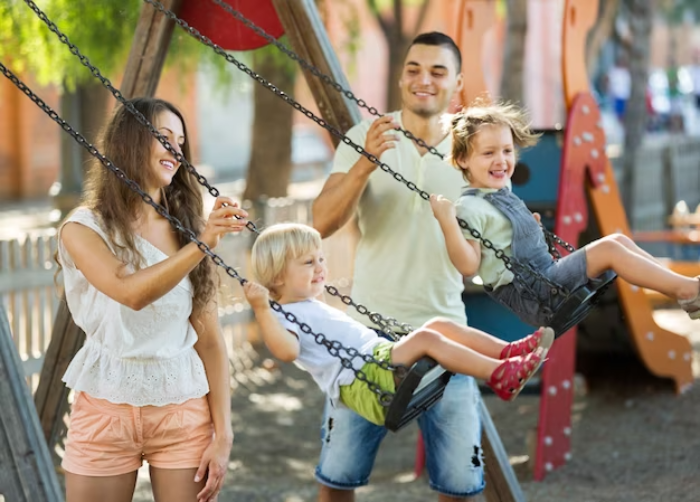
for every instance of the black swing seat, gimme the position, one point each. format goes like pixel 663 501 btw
pixel 580 302
pixel 421 388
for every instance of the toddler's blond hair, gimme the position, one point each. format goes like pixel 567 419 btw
pixel 465 124
pixel 276 245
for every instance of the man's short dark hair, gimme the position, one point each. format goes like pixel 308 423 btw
pixel 441 40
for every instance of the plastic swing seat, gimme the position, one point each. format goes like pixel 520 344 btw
pixel 425 382
pixel 577 305
pixel 421 388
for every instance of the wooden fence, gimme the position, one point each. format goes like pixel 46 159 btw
pixel 29 296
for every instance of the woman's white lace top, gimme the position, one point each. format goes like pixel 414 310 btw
pixel 140 358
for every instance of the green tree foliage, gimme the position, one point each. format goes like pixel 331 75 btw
pixel 103 31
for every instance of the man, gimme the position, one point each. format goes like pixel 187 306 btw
pixel 620 84
pixel 402 270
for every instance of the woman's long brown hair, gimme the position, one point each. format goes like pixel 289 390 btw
pixel 128 144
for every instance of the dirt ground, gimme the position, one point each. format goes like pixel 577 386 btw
pixel 634 440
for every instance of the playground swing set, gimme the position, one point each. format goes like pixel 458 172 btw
pixel 424 383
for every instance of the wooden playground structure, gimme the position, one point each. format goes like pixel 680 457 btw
pixel 585 180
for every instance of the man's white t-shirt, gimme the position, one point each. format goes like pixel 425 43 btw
pixel 402 269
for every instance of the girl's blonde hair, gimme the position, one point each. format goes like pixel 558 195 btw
pixel 465 124
pixel 278 244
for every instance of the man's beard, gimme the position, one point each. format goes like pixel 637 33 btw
pixel 425 112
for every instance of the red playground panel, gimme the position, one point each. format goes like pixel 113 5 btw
pixel 583 160
pixel 229 33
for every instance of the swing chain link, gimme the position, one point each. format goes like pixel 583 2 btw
pixel 553 240
pixel 375 317
pixel 385 323
pixel 327 79
pixel 551 245
pixel 333 347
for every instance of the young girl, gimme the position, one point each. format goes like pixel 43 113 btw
pixel 483 148
pixel 151 381
pixel 288 260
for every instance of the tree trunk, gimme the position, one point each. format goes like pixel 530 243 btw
pixel 514 57
pixel 601 32
pixel 397 40
pixel 640 12
pixel 270 164
pixel 85 110
pixel 397 52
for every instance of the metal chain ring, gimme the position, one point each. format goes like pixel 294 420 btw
pixel 555 288
pixel 334 347
pixel 377 318
pixel 558 240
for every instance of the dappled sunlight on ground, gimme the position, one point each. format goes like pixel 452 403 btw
pixel 633 438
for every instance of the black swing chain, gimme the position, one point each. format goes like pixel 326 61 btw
pixel 327 79
pixel 511 265
pixel 552 238
pixel 558 240
pixel 383 323
pixel 333 346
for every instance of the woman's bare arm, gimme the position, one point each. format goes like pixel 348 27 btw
pixel 212 351
pixel 136 290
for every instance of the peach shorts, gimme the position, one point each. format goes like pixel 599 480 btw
pixel 107 439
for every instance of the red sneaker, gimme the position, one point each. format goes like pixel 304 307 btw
pixel 543 337
pixel 511 376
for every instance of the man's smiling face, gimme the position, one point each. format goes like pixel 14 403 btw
pixel 429 80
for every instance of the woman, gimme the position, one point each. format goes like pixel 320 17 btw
pixel 151 381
